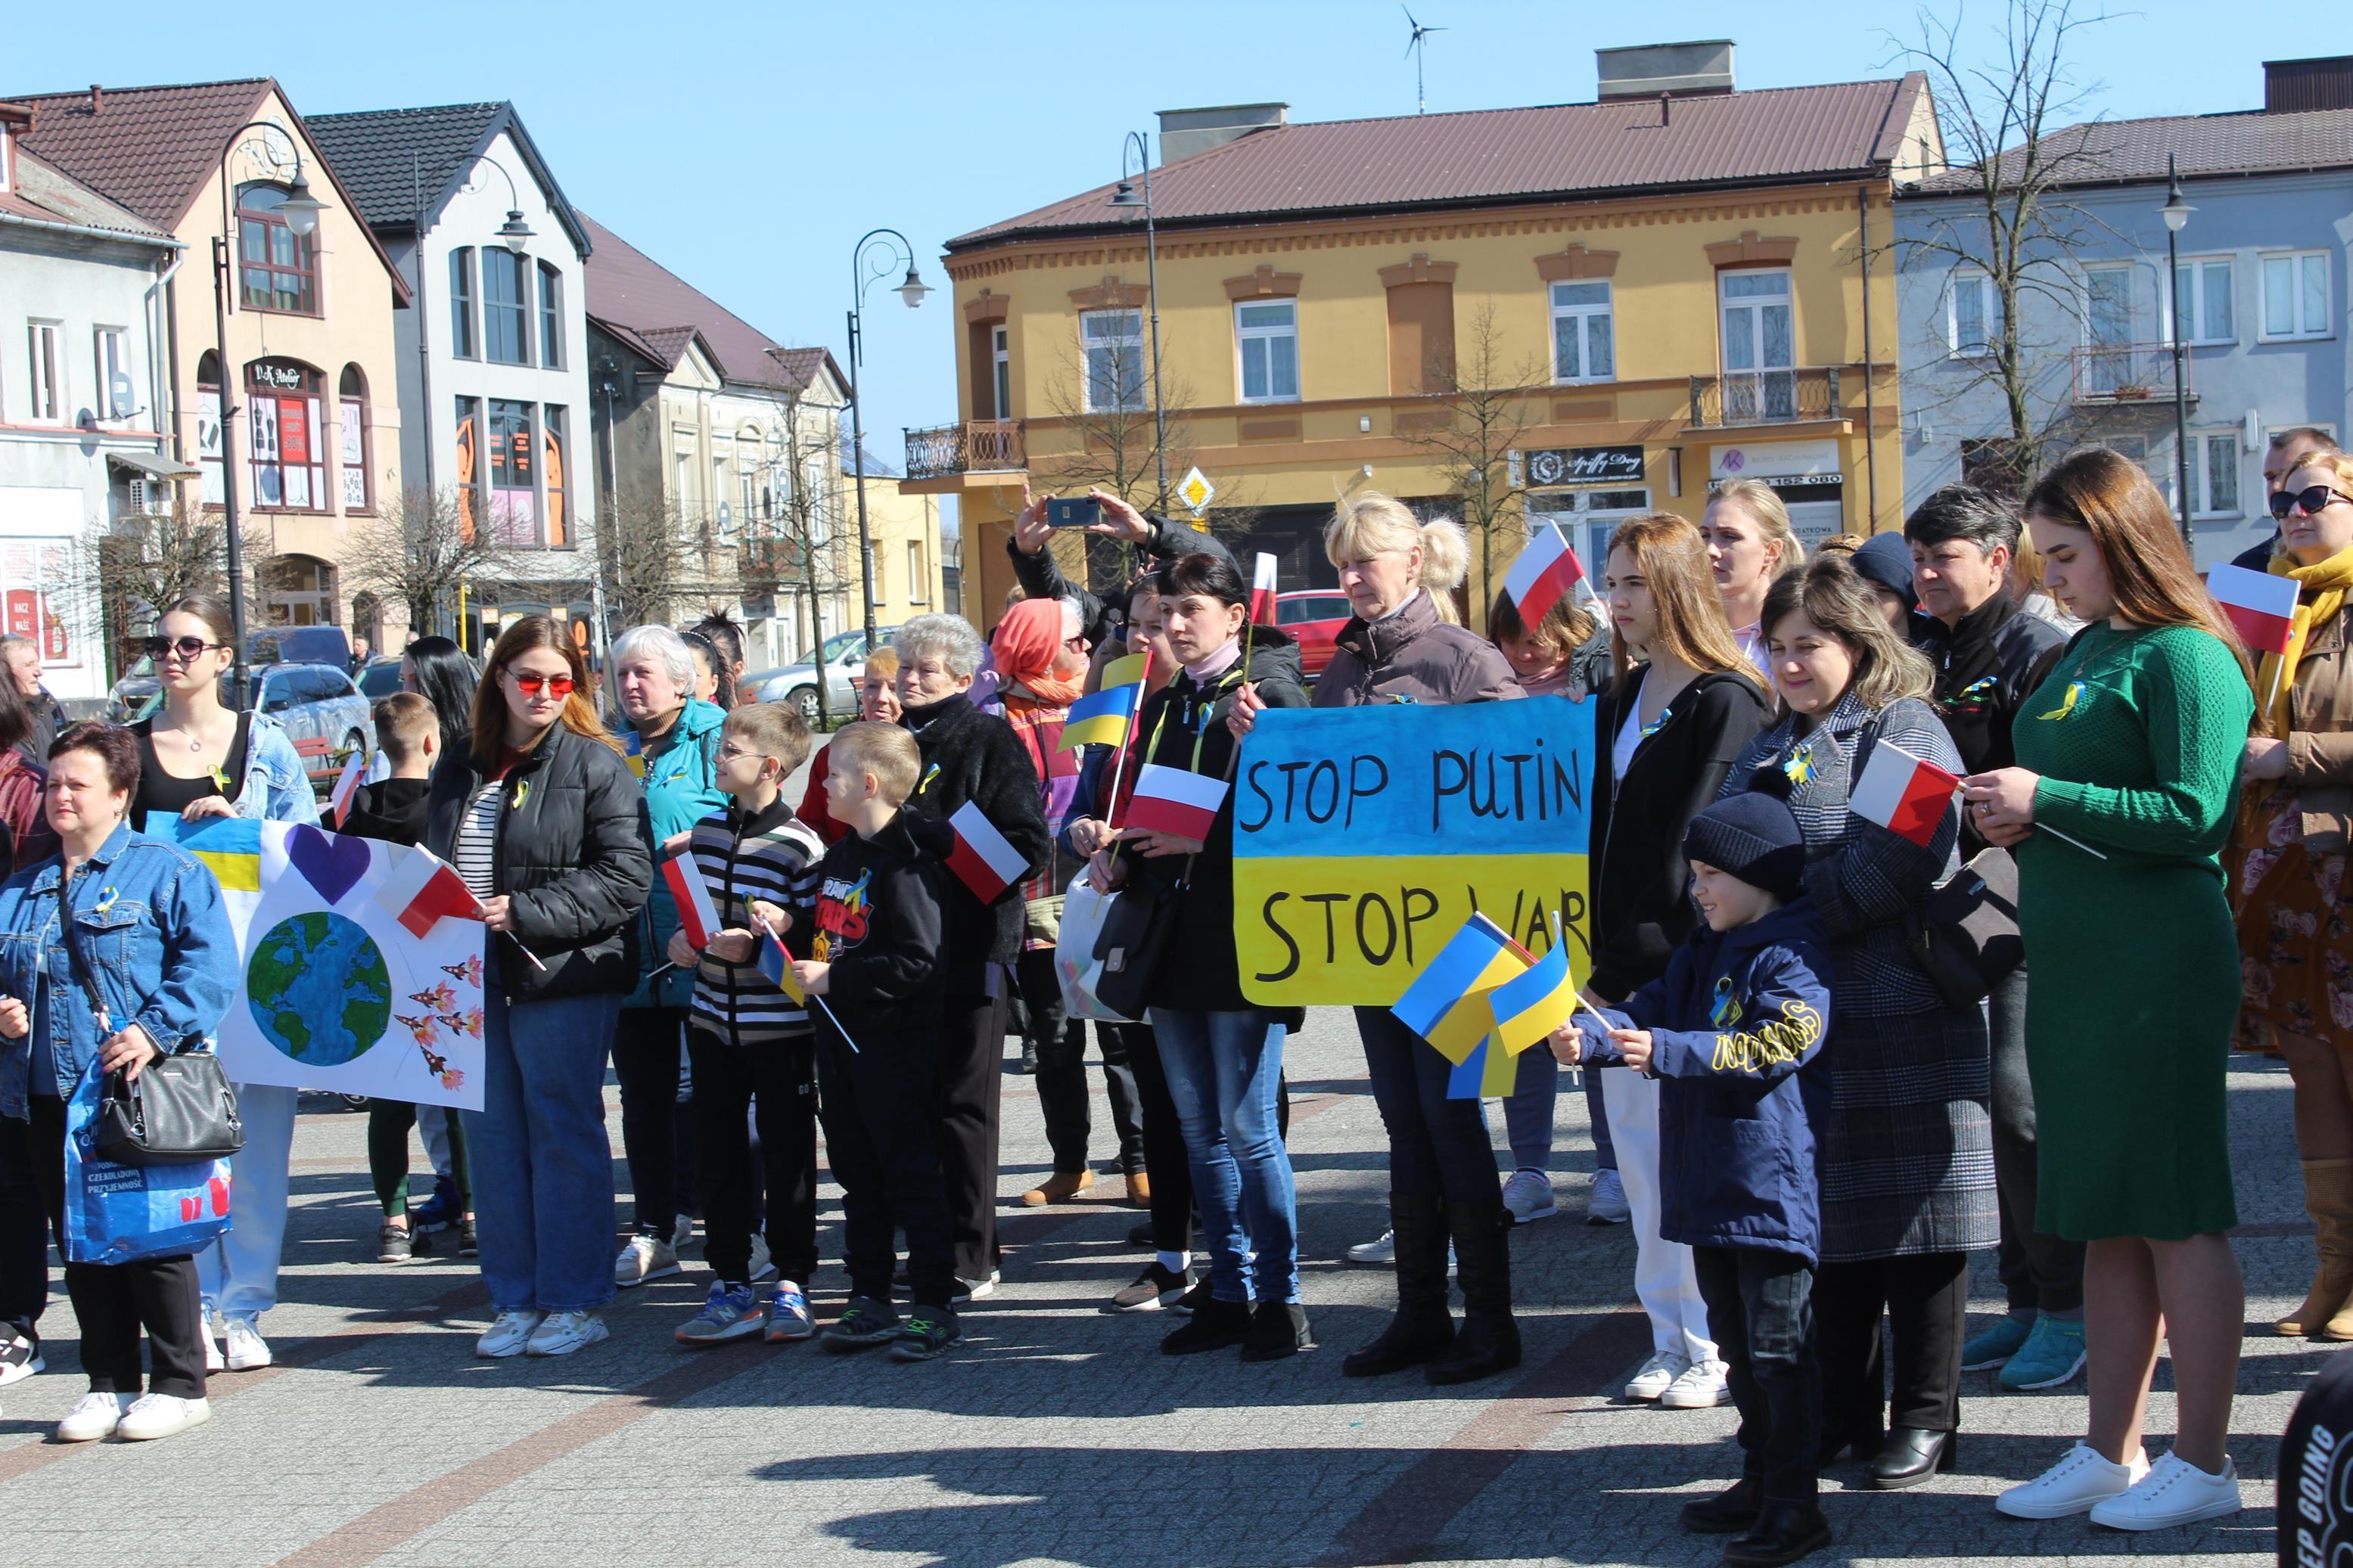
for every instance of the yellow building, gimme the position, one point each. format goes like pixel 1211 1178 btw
pixel 904 532
pixel 1599 308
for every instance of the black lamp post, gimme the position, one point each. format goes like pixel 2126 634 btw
pixel 863 271
pixel 2176 212
pixel 1125 196
pixel 301 209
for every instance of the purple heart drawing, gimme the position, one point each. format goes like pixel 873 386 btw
pixel 334 866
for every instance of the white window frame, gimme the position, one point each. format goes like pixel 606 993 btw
pixel 1113 344
pixel 106 365
pixel 1583 315
pixel 1000 353
pixel 918 579
pixel 2303 331
pixel 2197 331
pixel 1269 335
pixel 2090 296
pixel 1989 308
pixel 46 371
pixel 2201 445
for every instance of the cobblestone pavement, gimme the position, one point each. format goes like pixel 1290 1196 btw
pixel 1056 1434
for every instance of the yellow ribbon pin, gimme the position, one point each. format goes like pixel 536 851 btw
pixel 522 793
pixel 2067 703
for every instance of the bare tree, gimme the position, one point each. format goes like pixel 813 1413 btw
pixel 1486 401
pixel 418 549
pixel 643 549
pixel 2015 138
pixel 805 550
pixel 142 562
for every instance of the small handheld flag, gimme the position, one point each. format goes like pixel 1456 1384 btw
pixel 1545 569
pixel 1529 1006
pixel 1135 669
pixel 347 786
pixel 1487 1073
pixel 1173 801
pixel 1448 1002
pixel 1903 794
pixel 1262 591
pixel 633 752
pixel 2261 606
pixel 983 861
pixel 422 888
pixel 1100 719
pixel 777 966
pixel 697 916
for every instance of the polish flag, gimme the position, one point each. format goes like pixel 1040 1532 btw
pixel 1902 794
pixel 697 916
pixel 984 861
pixel 1172 801
pixel 1544 570
pixel 422 888
pixel 1261 603
pixel 347 785
pixel 2262 606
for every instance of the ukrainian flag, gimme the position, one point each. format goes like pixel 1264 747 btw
pixel 1132 670
pixel 1101 719
pixel 1449 1003
pixel 1528 1008
pixel 1486 1073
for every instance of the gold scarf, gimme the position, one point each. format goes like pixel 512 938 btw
pixel 2320 595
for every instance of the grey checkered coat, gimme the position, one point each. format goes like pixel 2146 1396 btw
pixel 1907 1153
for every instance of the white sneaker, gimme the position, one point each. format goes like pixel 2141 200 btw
pixel 213 1360
pixel 1658 1375
pixel 1381 1249
pixel 247 1350
pixel 96 1416
pixel 762 1265
pixel 681 1230
pixel 1528 1194
pixel 646 1258
pixel 1606 1204
pixel 561 1334
pixel 507 1335
pixel 2079 1482
pixel 1701 1387
pixel 2175 1491
pixel 162 1416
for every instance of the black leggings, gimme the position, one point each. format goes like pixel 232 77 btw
pixel 388 1147
pixel 656 1115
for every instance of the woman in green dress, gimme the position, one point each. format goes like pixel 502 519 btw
pixel 2126 783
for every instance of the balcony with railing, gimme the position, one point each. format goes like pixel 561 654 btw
pixel 1744 397
pixel 769 560
pixel 2121 375
pixel 974 446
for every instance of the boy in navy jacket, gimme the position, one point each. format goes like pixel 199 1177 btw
pixel 1732 1029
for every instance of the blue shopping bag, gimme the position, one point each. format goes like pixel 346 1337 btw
pixel 120 1213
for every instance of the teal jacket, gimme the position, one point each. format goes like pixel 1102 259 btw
pixel 681 789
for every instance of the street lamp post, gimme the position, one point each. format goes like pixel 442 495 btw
pixel 2176 212
pixel 1125 196
pixel 863 274
pixel 301 209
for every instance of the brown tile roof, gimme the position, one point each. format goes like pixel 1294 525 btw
pixel 2125 152
pixel 45 194
pixel 630 289
pixel 1559 151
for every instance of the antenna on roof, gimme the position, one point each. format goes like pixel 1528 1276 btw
pixel 1414 47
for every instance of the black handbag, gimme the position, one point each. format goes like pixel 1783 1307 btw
pixel 1964 932
pixel 180 1110
pixel 1136 932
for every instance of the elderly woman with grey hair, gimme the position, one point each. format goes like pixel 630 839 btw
pixel 675 740
pixel 969 757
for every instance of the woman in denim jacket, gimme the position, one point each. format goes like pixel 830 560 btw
pixel 150 937
pixel 199 760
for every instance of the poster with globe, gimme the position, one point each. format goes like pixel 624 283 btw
pixel 349 983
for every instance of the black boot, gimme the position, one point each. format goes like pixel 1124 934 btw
pixel 1911 1456
pixel 1215 1325
pixel 1422 1328
pixel 1489 1342
pixel 1277 1329
pixel 1729 1512
pixel 1785 1531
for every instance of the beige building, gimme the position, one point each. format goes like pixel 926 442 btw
pixel 310 344
pixel 904 534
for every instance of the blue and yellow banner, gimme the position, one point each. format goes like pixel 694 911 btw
pixel 1364 839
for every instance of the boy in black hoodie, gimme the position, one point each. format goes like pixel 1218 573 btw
pixel 874 945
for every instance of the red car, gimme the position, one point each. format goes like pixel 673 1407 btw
pixel 1313 617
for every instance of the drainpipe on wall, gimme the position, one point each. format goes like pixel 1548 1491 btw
pixel 1870 422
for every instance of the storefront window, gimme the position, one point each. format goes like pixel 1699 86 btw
pixel 514 489
pixel 283 436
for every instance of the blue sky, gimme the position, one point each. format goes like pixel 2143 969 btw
pixel 748 148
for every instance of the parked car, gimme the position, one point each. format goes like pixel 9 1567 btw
pixel 324 712
pixel 844 655
pixel 381 678
pixel 300 644
pixel 1313 617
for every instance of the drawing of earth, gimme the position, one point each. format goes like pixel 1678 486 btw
pixel 319 989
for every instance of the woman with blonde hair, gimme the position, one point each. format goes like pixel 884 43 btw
pixel 1684 704
pixel 1750 545
pixel 1401 644
pixel 2129 754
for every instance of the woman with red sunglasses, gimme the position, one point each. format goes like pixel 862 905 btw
pixel 546 824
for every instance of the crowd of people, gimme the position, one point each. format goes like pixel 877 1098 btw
pixel 1814 1099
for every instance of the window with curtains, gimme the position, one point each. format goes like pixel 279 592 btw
pixel 511 450
pixel 506 307
pixel 1970 328
pixel 351 393
pixel 2214 461
pixel 2202 299
pixel 551 316
pixel 461 303
pixel 1759 342
pixel 1113 341
pixel 2295 295
pixel 110 350
pixel 283 434
pixel 470 465
pixel 556 470
pixel 1584 332
pixel 1267 333
pixel 49 367
pixel 277 268
pixel 208 425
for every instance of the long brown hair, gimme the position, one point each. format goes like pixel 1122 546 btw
pixel 1673 558
pixel 1828 592
pixel 527 633
pixel 2150 570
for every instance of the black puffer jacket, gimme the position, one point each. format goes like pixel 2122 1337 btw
pixel 969 755
pixel 572 850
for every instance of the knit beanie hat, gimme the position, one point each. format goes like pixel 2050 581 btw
pixel 1887 559
pixel 1756 838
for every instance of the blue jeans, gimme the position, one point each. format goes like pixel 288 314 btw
pixel 537 1150
pixel 1223 1069
pixel 1528 1110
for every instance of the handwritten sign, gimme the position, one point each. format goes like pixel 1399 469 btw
pixel 1364 837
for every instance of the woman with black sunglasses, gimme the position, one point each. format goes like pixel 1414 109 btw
pixel 2287 870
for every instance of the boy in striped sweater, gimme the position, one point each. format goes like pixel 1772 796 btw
pixel 751 1042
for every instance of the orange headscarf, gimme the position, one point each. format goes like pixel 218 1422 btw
pixel 1030 657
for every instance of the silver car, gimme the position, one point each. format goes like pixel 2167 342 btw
pixel 324 712
pixel 844 655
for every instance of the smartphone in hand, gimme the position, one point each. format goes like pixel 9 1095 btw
pixel 1076 511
